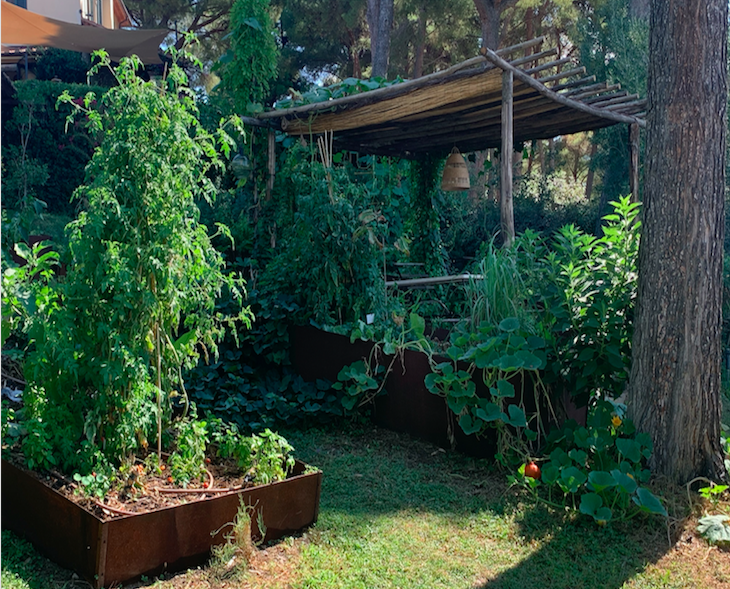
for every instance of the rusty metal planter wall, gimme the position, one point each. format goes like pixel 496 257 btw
pixel 169 539
pixel 408 407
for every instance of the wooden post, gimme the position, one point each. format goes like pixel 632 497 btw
pixel 506 209
pixel 634 164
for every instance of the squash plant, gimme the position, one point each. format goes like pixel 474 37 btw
pixel 139 302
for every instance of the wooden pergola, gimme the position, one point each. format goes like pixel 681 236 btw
pixel 496 99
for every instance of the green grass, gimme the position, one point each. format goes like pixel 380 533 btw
pixel 398 513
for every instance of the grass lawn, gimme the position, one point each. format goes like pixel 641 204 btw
pixel 399 513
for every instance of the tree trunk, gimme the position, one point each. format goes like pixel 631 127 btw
pixel 591 172
pixel 380 21
pixel 489 13
pixel 421 45
pixel 675 377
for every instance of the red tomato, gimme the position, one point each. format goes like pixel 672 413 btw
pixel 169 479
pixel 532 470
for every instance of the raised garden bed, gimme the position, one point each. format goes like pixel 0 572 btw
pixel 407 407
pixel 125 547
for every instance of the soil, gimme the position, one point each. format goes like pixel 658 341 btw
pixel 144 490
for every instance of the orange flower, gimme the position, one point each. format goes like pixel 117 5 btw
pixel 616 421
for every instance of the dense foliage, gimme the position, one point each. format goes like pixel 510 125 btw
pixel 249 66
pixel 37 135
pixel 139 302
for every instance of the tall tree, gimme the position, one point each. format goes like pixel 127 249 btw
pixel 675 377
pixel 490 17
pixel 380 22
pixel 208 19
pixel 324 36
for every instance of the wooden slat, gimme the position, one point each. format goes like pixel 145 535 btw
pixel 545 66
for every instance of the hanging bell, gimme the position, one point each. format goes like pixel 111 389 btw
pixel 456 174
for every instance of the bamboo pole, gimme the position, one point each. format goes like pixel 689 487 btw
pixel 534 57
pixel 573 84
pixel 506 207
pixel 579 71
pixel 548 65
pixel 433 280
pixel 397 89
pixel 526 79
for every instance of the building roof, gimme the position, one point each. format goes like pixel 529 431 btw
pixel 462 106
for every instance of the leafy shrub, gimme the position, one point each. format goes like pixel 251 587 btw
pixel 602 465
pixel 67 66
pixel 586 287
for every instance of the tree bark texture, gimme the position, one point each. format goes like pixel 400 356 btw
pixel 490 13
pixel 380 22
pixel 675 377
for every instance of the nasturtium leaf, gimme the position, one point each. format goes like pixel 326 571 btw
pixel 550 473
pixel 456 404
pixel 529 360
pixel 578 455
pixel 510 362
pixel 560 457
pixel 590 503
pixel 572 478
pixel 462 388
pixel 603 515
pixel 535 342
pixel 431 383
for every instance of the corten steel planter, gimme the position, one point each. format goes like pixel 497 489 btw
pixel 408 406
pixel 168 539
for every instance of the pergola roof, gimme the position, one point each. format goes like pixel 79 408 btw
pixel 462 107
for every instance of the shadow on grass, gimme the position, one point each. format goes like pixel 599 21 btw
pixel 372 473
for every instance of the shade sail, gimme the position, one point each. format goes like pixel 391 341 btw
pixel 24 28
